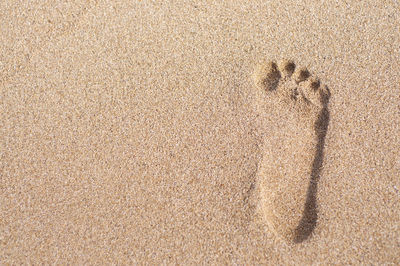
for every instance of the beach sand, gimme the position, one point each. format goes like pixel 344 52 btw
pixel 146 132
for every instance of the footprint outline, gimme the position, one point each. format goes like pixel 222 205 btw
pixel 268 78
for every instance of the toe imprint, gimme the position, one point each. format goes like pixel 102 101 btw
pixel 301 74
pixel 295 80
pixel 266 76
pixel 286 67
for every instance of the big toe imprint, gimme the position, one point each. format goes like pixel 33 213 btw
pixel 294 147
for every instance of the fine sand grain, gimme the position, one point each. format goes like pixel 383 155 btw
pixel 150 132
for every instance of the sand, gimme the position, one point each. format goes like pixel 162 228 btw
pixel 134 132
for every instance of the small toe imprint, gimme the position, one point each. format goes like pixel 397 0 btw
pixel 286 67
pixel 301 74
pixel 314 83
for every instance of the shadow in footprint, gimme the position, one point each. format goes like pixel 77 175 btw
pixel 310 213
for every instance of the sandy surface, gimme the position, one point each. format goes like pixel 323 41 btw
pixel 129 131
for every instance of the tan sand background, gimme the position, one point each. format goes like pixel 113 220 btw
pixel 128 132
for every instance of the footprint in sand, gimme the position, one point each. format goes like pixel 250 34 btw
pixel 294 105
